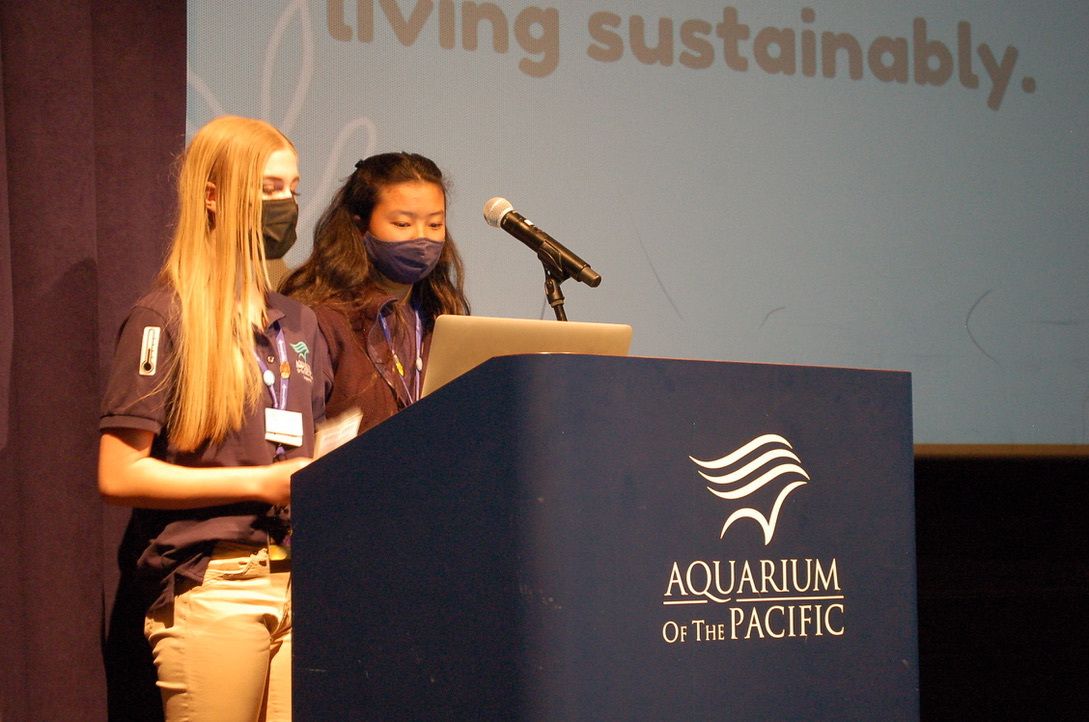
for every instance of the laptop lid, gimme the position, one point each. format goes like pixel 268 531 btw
pixel 461 343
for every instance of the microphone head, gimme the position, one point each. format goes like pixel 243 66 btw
pixel 495 209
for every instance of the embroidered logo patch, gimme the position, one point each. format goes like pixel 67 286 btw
pixel 301 365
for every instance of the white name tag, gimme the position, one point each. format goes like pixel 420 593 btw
pixel 284 427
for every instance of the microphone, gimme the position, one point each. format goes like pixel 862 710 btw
pixel 498 212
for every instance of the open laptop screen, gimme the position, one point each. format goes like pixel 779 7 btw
pixel 461 343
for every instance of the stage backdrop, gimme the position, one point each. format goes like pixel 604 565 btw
pixel 888 184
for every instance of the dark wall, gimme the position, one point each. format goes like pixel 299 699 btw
pixel 1003 570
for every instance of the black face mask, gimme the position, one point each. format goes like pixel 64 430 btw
pixel 278 219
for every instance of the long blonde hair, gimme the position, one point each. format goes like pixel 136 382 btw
pixel 216 266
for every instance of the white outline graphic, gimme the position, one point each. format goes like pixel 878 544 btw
pixel 334 169
pixel 744 479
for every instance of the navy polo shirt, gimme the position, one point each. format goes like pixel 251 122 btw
pixel 137 397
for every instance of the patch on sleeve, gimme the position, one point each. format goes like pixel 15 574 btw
pixel 149 351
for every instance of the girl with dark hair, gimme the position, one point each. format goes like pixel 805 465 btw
pixel 383 267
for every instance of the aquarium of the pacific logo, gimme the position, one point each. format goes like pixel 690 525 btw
pixel 757 599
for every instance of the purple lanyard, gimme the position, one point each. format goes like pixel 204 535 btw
pixel 267 375
pixel 269 378
pixel 412 398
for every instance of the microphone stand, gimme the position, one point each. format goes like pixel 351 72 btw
pixel 554 276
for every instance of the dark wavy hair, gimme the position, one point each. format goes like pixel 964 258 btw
pixel 339 271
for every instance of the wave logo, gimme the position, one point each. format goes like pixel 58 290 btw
pixel 742 473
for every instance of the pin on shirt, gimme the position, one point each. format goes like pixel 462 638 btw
pixel 149 351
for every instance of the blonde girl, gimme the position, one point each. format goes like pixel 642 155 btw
pixel 210 408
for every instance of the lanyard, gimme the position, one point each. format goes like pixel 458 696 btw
pixel 412 397
pixel 279 401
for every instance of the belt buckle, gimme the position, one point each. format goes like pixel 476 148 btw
pixel 278 553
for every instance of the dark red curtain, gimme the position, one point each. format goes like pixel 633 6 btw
pixel 93 98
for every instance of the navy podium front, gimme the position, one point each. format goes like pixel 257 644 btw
pixel 557 537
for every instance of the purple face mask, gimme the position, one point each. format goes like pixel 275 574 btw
pixel 403 261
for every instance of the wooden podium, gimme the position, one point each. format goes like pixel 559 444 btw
pixel 536 540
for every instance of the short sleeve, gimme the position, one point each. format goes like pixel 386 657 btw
pixel 137 390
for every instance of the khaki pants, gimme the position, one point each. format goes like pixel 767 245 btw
pixel 223 648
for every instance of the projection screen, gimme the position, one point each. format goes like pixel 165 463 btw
pixel 896 185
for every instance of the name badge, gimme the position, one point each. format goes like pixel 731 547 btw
pixel 284 427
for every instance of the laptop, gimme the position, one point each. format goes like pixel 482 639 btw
pixel 461 343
